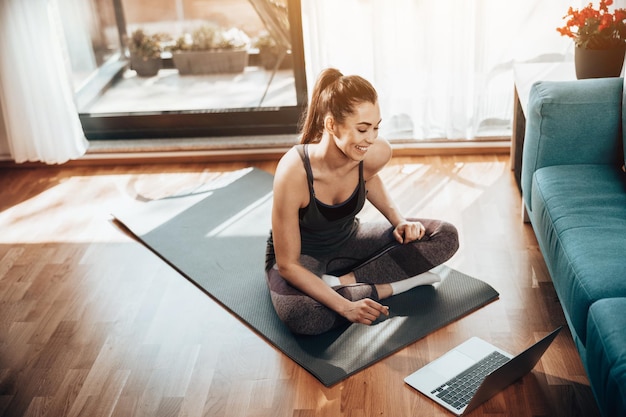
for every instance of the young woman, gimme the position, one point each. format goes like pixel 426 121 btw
pixel 324 268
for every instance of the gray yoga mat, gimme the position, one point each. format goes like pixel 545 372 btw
pixel 215 236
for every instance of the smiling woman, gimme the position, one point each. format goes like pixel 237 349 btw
pixel 324 268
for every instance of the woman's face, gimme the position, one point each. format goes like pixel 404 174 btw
pixel 359 130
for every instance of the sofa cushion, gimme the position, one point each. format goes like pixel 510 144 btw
pixel 572 122
pixel 579 217
pixel 606 354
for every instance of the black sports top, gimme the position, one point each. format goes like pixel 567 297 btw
pixel 323 227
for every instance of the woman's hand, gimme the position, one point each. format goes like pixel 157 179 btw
pixel 406 232
pixel 365 311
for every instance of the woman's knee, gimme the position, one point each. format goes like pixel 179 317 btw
pixel 441 243
pixel 448 237
pixel 303 315
pixel 299 312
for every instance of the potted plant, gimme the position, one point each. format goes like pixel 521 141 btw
pixel 211 49
pixel 145 52
pixel 599 37
pixel 268 50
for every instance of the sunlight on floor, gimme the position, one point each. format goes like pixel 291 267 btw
pixel 459 184
pixel 76 205
pixel 76 202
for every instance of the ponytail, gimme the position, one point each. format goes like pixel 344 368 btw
pixel 313 125
pixel 336 94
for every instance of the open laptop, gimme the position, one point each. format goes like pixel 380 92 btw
pixel 471 373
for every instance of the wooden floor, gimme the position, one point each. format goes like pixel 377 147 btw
pixel 94 324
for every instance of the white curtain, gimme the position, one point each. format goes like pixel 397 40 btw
pixel 36 94
pixel 443 69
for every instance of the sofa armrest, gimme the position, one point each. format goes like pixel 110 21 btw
pixel 572 122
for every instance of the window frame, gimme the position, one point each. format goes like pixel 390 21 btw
pixel 194 123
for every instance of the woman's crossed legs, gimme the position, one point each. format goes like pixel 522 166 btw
pixel 375 260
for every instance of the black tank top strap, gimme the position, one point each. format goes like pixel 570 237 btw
pixel 304 154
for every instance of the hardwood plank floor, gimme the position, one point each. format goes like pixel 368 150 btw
pixel 94 324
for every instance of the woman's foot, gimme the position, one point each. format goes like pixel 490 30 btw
pixel 426 278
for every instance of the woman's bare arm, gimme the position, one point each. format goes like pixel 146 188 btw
pixel 377 194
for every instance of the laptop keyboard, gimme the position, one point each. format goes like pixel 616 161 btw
pixel 459 390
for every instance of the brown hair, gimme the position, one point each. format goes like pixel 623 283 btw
pixel 336 94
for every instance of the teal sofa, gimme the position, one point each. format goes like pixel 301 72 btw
pixel 574 194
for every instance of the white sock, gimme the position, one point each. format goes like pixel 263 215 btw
pixel 426 278
pixel 331 280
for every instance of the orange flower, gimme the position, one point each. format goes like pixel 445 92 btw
pixel 565 31
pixel 595 28
pixel 605 22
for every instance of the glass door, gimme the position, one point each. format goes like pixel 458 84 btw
pixel 186 68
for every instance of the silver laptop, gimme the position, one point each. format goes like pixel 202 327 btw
pixel 471 373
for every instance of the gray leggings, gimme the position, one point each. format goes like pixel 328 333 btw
pixel 375 257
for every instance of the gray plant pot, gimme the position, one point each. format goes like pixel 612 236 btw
pixel 145 67
pixel 210 62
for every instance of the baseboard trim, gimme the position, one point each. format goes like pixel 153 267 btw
pixel 128 153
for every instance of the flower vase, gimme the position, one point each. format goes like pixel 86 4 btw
pixel 599 63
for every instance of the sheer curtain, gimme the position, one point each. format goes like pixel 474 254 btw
pixel 36 94
pixel 443 69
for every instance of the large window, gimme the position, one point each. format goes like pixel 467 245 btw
pixel 223 67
